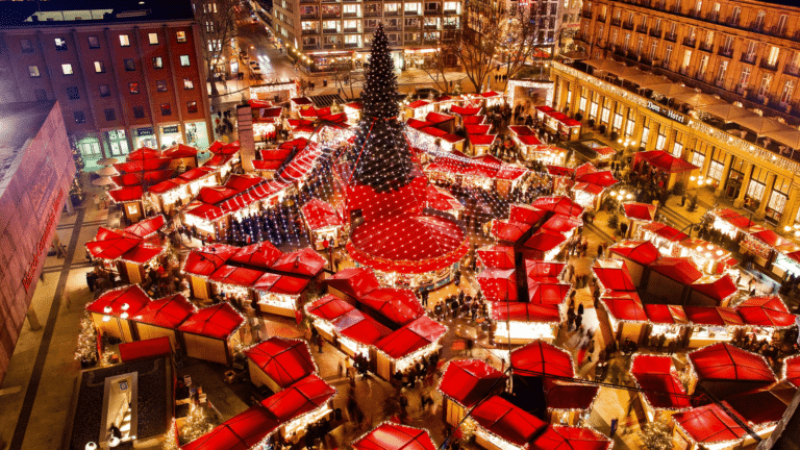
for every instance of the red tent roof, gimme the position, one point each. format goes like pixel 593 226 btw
pixel 418 334
pixel 242 182
pixel 544 241
pixel 665 231
pixel 467 381
pixel 126 194
pixel 791 370
pixel 355 282
pixel 217 160
pixel 717 288
pixel 733 218
pixel 508 231
pixel 146 228
pixel 329 308
pixel 624 306
pixel 642 252
pixel 281 284
pixel 604 178
pixel 319 214
pixel 438 198
pixel 285 361
pixel 143 153
pixel 660 384
pixel 525 214
pixel 681 270
pixel 241 432
pixel 497 256
pixel 400 306
pixel 507 421
pixel 613 274
pixel 304 396
pixel 180 151
pixel 539 268
pixel 640 211
pixel 237 276
pixel 465 110
pixel 206 260
pixel 584 169
pixel 562 205
pixel 300 262
pixel 770 238
pixel 723 361
pixel 569 396
pixel 111 244
pixel 113 302
pixel 666 314
pixel 521 130
pixel 664 161
pixel 360 327
pixel 560 223
pixel 167 312
pixel 557 171
pixel 141 254
pixel 196 173
pixel 540 358
pixel 713 315
pixel 708 425
pixel 525 312
pixel 765 311
pixel 260 254
pixel 548 293
pixel 217 321
pixel 498 284
pixel 557 437
pixel 391 436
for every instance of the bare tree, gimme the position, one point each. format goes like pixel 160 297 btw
pixel 346 78
pixel 437 68
pixel 217 19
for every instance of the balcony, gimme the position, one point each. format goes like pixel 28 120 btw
pixel 431 40
pixel 757 27
pixel 712 17
pixel 672 37
pixel 766 65
pixel 641 29
pixel 776 31
pixel 731 22
pixel 707 48
pixel 310 46
pixel 351 14
pixel 414 27
pixel 601 19
pixel 749 59
pixel 689 42
pixel 334 15
pixel 794 71
pixel 450 26
pixel 411 13
pixel 351 45
pixel 695 13
pixel 413 41
pixel 351 30
pixel 655 33
pixel 310 15
pixel 330 31
pixel 628 25
pixel 431 26
pixel 726 52
pixel 616 22
pixel 450 12
pixel 309 32
pixel 372 14
pixel 433 12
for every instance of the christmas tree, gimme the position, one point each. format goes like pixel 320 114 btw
pixel 87 341
pixel 381 156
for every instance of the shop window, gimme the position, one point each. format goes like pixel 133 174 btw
pixel 80 117
pixel 73 93
pixel 582 105
pixel 26 45
pixel 677 149
pixel 33 71
pixel 166 109
pixel 105 91
pixel 715 170
pixel 617 122
pixel 191 107
pixel 94 42
pixel 133 87
pixel 138 112
pixel 181 36
pixel 152 38
pixel 755 192
pixel 645 136
pixel 158 62
pixel 161 85
pixel 188 84
pixel 185 61
pixel 61 44
pixel 124 40
pixel 66 69
pixel 110 114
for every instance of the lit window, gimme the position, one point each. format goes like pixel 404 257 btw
pixel 161 85
pixel 191 107
pixel 188 84
pixel 181 36
pixel 152 38
pixel 158 63
pixel 185 62
pixel 99 67
pixel 33 71
pixel 66 69
pixel 124 40
pixel 61 44
pixel 133 87
pixel 166 109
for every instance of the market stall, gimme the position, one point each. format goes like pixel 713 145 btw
pixel 418 109
pixel 662 393
pixel 323 222
pixel 212 333
pixel 523 322
pixel 666 169
pixel 234 283
pixel 613 275
pixel 355 333
pixel 298 406
pixel 731 223
pixel 712 290
pixel 352 282
pixel 669 280
pixel 624 315
pixel 441 200
pixel 558 205
pixel 561 223
pixel 325 310
pixel 496 256
pixel 708 427
pixel 112 312
pixel 400 351
pixel 545 292
pixel 504 426
pixel 709 258
pixel 280 295
pixel 765 318
pixel 722 370
pixel 465 383
pixel 278 363
pixel 507 231
pixel 791 370
pixel 668 324
pixel 162 317
pixel 249 429
pixel 568 403
pixel 391 436
pixel 637 255
pixel 638 214
pixel 204 261
pixel 393 307
pixel 544 245
pixel 540 359
pixel 561 178
pixel 711 324
pixel 556 437
pixel 772 404
pixel 666 238
pixel 498 284
pixel 304 262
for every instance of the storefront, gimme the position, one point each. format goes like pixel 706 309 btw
pixel 144 137
pixel 197 134
pixel 170 135
pixel 117 142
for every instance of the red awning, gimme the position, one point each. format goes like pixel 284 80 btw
pixel 196 174
pixel 561 223
pixel 180 151
pixel 112 303
pixel 168 312
pixel 548 293
pixel 329 308
pixel 260 255
pixel 666 314
pixel 525 214
pixel 111 244
pixel 604 178
pixel 217 321
pixel 585 169
pixel 791 370
pixel 563 172
pixel 146 228
pixel 664 161
pixel 544 241
pixel 302 397
pixel 540 358
pixel 539 268
pixel 126 194
pixel 141 254
pixel 713 315
pixel 509 422
pixel 665 231
pixel 564 395
pixel 237 276
pixel 498 284
pixel 143 165
pixel 717 288
pixel 681 270
pixel 624 306
pixel 281 284
pixel 400 306
pixel 557 437
pixel 467 381
pixel 508 231
pixel 497 256
pixel 241 432
pixel 640 211
pixel 766 312
pixel 734 218
pixel 319 214
pixel 561 205
pixel 642 252
pixel 300 262
pixel 723 361
pixel 438 198
pixel 355 282
pixel 525 312
pixel 143 153
pixel 770 238
pixel 659 383
pixel 360 328
pixel 206 260
pixel 285 361
pixel 418 334
pixel 391 436
pixel 613 274
pixel 465 110
pixel 217 161
pixel 708 425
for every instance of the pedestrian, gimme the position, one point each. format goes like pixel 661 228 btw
pixel 319 343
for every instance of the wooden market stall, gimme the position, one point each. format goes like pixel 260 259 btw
pixel 624 314
pixel 162 317
pixel 711 290
pixel 280 295
pixel 400 351
pixel 668 324
pixel 766 318
pixel 112 311
pixel 669 280
pixel 722 370
pixel 324 223
pixel 637 256
pixel 466 382
pixel 708 427
pixel 212 333
pixel 662 393
pixel 392 436
pixel 503 426
pixel 278 363
pixel 711 324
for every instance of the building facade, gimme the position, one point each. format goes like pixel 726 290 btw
pixel 324 31
pixel 127 76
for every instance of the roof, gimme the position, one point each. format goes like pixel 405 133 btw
pixel 146 228
pixel 640 211
pixel 539 268
pixel 666 314
pixel 498 284
pixel 716 287
pixel 260 254
pixel 300 262
pixel 418 334
pixel 708 425
pixel 92 13
pixel 546 293
pixel 400 306
pixel 285 361
pixel 562 205
pixel 791 370
pixel 114 302
pixel 111 244
pixel 167 312
pixel 497 256
pixel 355 282
pixel 569 396
pixel 767 311
pixel 319 214
pixel 540 358
pixel 525 312
pixel 359 327
pixel 613 274
pixel 561 223
pixel 507 421
pixel 665 162
pixel 624 306
pixel 642 252
pixel 525 214
pixel 281 284
pixel 544 241
pixel 302 397
pixel 391 436
pixel 665 231
pixel 206 260
pixel 509 231
pixel 660 384
pixel 681 270
pixel 604 178
pixel 557 437
pixel 467 381
pixel 769 411
pixel 237 276
pixel 723 361
pixel 713 315
pixel 241 432
pixel 329 308
pixel 217 321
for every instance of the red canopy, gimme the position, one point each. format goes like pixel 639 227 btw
pixel 418 334
pixel 709 424
pixel 642 252
pixel 111 244
pixel 126 194
pixel 791 370
pixel 624 306
pixel 467 381
pixel 681 270
pixel 359 327
pixel 525 312
pixel 143 153
pixel 666 314
pixel 319 214
pixel 640 211
pixel 613 274
pixel 146 228
pixel 300 262
pixel 664 161
pixel 665 231
pixel 355 282
pixel 539 268
pixel 180 151
pixel 557 437
pixel 437 198
pixel 723 361
pixel 508 231
pixel 217 321
pixel 771 238
pixel 400 306
pixel 540 358
pixel 391 436
pixel 281 284
pixel 660 384
pixel 112 303
pixel 717 288
pixel 329 308
pixel 167 312
pixel 560 223
pixel 497 256
pixel 507 421
pixel 544 241
pixel 569 396
pixel 300 398
pixel 713 315
pixel 196 173
pixel 237 276
pixel 206 260
pixel 285 361
pixel 548 293
pixel 604 178
pixel 498 284
pixel 562 205
pixel 525 214
pixel 734 218
pixel 558 171
pixel 261 255
pixel 241 432
pixel 585 169
pixel 766 312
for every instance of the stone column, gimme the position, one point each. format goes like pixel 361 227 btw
pixel 762 207
pixel 725 172
pixel 748 171
pixel 246 139
pixel 790 210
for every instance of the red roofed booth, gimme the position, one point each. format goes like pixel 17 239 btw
pixel 497 256
pixel 391 436
pixel 211 333
pixel 244 431
pixel 624 315
pixel 397 306
pixel 279 363
pixel 323 222
pixel 662 391
pixel 408 345
pixel 559 205
pixel 499 419
pixel 637 255
pixel 613 275
pixel 669 279
pixel 765 312
pixel 791 370
pixel 707 426
pixel 305 262
pixel 543 245
pixel 523 322
pixel 542 359
pixel 712 291
pixel 162 317
pixel 498 284
pixel 112 311
pixel 353 282
pixel 466 382
pixel 557 437
pixel 567 401
pixel 310 399
pixel 723 370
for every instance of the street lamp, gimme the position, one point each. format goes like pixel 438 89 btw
pixel 700 181
pixel 794 229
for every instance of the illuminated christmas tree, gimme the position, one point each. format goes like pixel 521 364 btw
pixel 381 157
pixel 87 341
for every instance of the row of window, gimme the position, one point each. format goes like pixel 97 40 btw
pixel 105 91
pixel 99 66
pixel 94 41
pixel 138 112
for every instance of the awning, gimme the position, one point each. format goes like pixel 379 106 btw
pixel 329 308
pixel 305 262
pixel 642 252
pixel 709 425
pixel 659 383
pixel 285 361
pixel 767 311
pixel 399 306
pixel 168 312
pixel 681 270
pixel 355 282
pixel 624 306
pixel 509 422
pixel 391 436
pixel 727 112
pixel 467 381
pixel 613 274
pixel 723 361
pixel 498 284
pixel 260 255
pixel 217 321
pixel 640 211
pixel 206 260
pixel 113 302
pixel 418 334
pixel 670 90
pixel 540 358
pixel 664 161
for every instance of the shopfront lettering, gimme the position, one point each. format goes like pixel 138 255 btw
pixel 144 131
pixel 666 112
pixel 170 129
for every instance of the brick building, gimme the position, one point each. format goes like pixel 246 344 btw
pixel 126 73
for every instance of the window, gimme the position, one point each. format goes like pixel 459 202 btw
pixel 701 71
pixel 715 170
pixel 105 91
pixel 787 91
pixel 80 117
pixel 133 87
pixel 181 35
pixel 759 23
pixel 40 94
pixel 26 45
pixel 772 56
pixel 124 40
pixel 188 84
pixel 73 93
pixel 166 109
pixel 33 71
pixel 130 66
pixel 161 85
pixel 667 55
pixel 727 47
pixel 744 79
pixel 698 158
pixel 138 112
pixel 661 140
pixel 158 62
pixel 191 107
pixel 766 80
pixel 750 53
pixel 687 58
pixel 152 38
pixel 626 42
pixel 94 42
pixel 99 67
pixel 737 11
pixel 209 8
pixel 780 28
pixel 209 26
pixel 111 115
pixel 677 149
pixel 723 69
pixel 61 44
pixel 185 62
pixel 66 69
pixel 645 136
pixel 653 50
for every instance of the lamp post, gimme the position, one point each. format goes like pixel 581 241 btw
pixel 793 229
pixel 700 181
